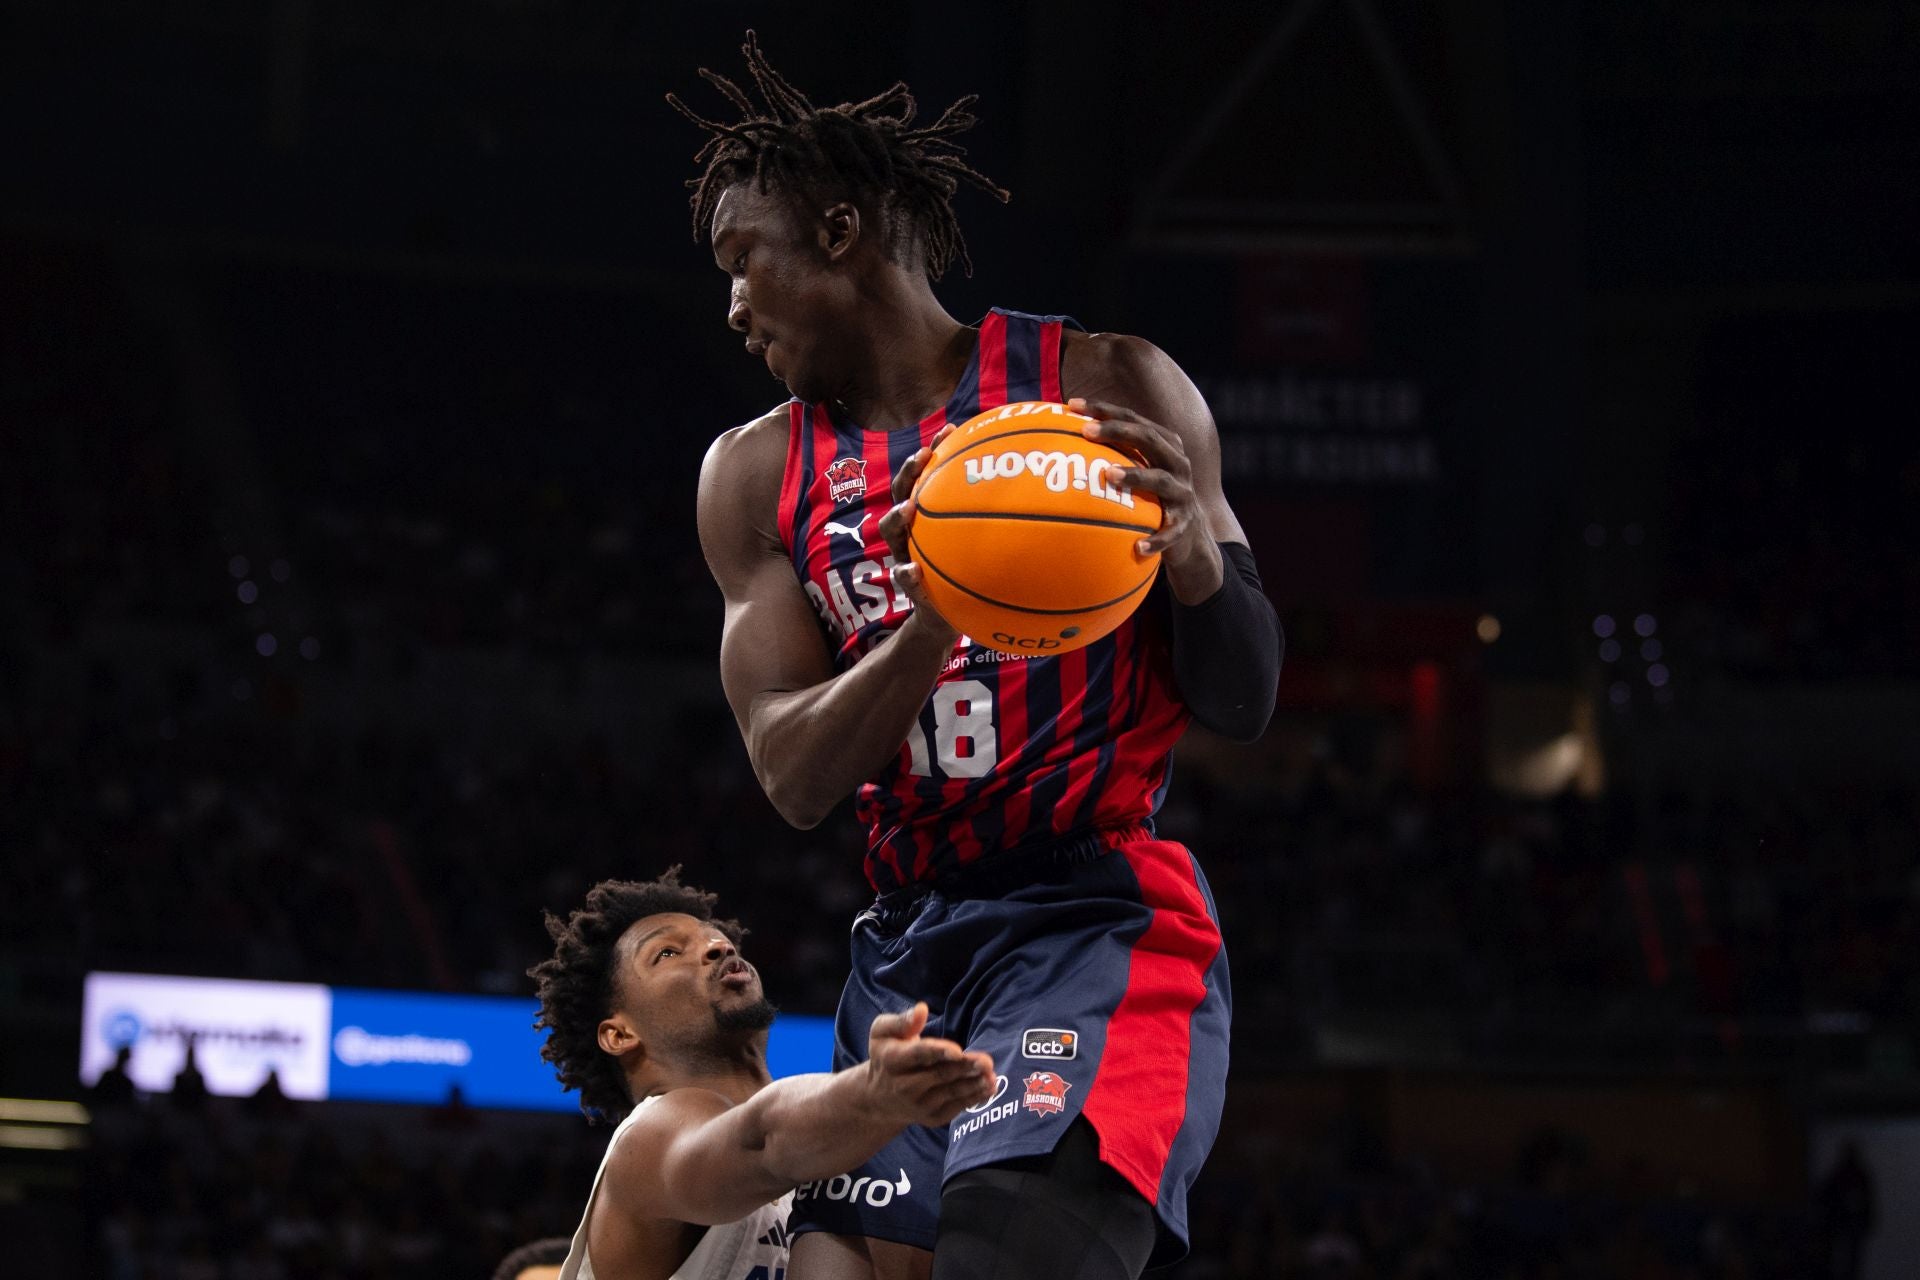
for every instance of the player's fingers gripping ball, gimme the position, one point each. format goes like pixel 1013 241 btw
pixel 1024 537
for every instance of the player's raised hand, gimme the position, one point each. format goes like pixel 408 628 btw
pixel 922 1081
pixel 1184 540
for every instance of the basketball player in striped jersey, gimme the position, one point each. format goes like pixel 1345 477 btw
pixel 1008 803
pixel 660 1023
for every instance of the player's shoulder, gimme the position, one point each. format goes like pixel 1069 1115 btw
pixel 756 438
pixel 644 1138
pixel 748 460
pixel 1124 369
pixel 1097 360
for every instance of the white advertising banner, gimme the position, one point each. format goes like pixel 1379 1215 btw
pixel 240 1030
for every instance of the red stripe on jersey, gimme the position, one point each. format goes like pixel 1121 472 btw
pixel 1073 708
pixel 879 499
pixel 1012 716
pixel 993 361
pixel 790 495
pixel 1050 362
pixel 883 845
pixel 1139 1098
pixel 887 854
pixel 826 446
pixel 1155 753
pixel 1123 712
pixel 1131 684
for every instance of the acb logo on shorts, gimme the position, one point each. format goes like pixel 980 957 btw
pixel 1053 1044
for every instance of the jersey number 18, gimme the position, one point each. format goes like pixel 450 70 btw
pixel 967 744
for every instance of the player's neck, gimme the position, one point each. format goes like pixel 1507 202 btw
pixel 915 354
pixel 738 1075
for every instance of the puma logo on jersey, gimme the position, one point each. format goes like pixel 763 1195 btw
pixel 853 530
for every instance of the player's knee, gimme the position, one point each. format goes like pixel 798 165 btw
pixel 1062 1216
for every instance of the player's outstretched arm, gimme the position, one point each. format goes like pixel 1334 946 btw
pixel 813 736
pixel 695 1157
pixel 1227 641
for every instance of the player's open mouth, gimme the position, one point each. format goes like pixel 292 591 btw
pixel 736 973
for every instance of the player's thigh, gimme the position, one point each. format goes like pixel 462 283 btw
pixel 821 1256
pixel 1060 1216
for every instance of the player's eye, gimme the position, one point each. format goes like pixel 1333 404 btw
pixel 740 263
pixel 664 952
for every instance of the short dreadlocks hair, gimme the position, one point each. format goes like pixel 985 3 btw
pixel 576 984
pixel 866 150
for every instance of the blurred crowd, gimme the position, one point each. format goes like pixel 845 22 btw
pixel 248 847
pixel 182 1187
pixel 232 842
pixel 260 1189
pixel 1593 930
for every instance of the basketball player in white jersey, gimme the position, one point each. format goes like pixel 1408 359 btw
pixel 654 1016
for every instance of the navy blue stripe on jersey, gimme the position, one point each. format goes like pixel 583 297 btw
pixel 1095 735
pixel 928 791
pixel 1103 761
pixel 1044 705
pixel 1124 693
pixel 965 401
pixel 1023 358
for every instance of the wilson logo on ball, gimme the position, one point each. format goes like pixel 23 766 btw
pixel 1058 471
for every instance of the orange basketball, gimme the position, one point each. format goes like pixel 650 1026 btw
pixel 1023 543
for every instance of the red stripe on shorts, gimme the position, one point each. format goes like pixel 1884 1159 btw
pixel 1139 1099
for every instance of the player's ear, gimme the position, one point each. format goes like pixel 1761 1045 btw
pixel 839 230
pixel 617 1036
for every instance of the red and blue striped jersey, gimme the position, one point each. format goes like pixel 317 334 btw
pixel 1009 752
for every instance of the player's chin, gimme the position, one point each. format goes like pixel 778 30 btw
pixel 804 386
pixel 750 1011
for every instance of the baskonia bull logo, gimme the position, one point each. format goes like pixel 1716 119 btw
pixel 846 479
pixel 1046 1094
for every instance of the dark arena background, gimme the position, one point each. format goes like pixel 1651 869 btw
pixel 356 367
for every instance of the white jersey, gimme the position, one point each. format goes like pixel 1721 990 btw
pixel 753 1248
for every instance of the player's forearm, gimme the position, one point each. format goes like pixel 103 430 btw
pixel 811 747
pixel 1227 651
pixel 793 1131
pixel 821 1125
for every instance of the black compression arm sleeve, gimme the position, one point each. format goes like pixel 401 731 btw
pixel 1226 651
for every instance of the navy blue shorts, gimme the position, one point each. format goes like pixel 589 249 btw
pixel 1098 982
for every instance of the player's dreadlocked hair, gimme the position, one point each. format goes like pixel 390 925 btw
pixel 867 150
pixel 576 984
